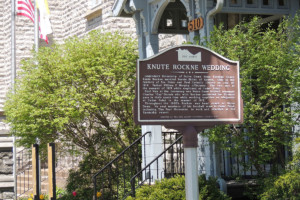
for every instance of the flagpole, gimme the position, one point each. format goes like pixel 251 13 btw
pixel 36 43
pixel 13 76
pixel 36 27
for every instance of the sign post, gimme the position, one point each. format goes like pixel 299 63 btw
pixel 190 144
pixel 188 88
pixel 35 171
pixel 51 171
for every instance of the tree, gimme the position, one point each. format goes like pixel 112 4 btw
pixel 269 60
pixel 80 91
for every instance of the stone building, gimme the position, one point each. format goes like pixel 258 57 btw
pixel 68 18
pixel 78 17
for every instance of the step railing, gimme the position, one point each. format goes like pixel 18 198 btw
pixel 24 172
pixel 24 176
pixel 146 174
pixel 113 179
pixel 65 160
pixel 173 154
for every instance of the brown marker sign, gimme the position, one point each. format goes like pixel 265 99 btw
pixel 188 85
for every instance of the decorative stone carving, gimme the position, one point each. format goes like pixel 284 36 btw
pixel 6 163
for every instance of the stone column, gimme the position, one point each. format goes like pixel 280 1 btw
pixel 153 142
pixel 153 147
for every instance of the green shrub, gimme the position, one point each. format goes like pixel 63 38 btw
pixel 209 189
pixel 286 186
pixel 174 189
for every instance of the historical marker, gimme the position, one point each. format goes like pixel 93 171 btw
pixel 188 85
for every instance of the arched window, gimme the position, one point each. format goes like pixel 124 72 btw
pixel 174 19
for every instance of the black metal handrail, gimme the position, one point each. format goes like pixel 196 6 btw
pixel 179 168
pixel 110 182
pixel 23 167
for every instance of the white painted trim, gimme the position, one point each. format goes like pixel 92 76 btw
pixel 118 7
pixel 157 16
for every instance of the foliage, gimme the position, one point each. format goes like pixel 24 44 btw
pixel 80 180
pixel 286 185
pixel 269 69
pixel 174 189
pixel 80 91
pixel 209 189
pixel 31 197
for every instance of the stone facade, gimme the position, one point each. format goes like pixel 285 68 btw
pixel 68 18
pixel 6 163
pixel 6 174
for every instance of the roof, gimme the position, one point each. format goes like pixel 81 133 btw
pixel 118 9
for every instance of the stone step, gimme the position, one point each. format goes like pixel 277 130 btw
pixel 6 145
pixel 6 178
pixel 7 184
pixel 7 181
pixel 5 140
pixel 4 133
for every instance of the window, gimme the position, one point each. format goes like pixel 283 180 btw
pixel 229 20
pixel 235 3
pixel 174 19
pixel 266 2
pixel 251 3
pixel 282 4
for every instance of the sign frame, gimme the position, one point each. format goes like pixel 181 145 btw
pixel 203 122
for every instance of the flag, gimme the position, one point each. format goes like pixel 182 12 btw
pixel 45 25
pixel 25 8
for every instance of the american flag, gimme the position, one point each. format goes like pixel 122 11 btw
pixel 25 8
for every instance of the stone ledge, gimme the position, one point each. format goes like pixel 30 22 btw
pixel 4 132
pixel 6 139
pixel 6 145
pixel 91 14
pixel 6 178
pixel 7 185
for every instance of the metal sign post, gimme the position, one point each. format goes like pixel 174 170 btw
pixel 35 171
pixel 190 144
pixel 51 171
